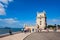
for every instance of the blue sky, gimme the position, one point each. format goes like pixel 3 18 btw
pixel 14 13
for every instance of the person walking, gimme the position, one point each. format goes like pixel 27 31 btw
pixel 10 32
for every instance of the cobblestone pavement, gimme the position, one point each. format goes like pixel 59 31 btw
pixel 44 36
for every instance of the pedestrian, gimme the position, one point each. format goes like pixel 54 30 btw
pixel 55 30
pixel 40 29
pixel 47 30
pixel 10 32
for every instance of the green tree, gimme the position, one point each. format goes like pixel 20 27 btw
pixel 51 26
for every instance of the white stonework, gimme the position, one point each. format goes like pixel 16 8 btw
pixel 31 28
pixel 41 19
pixel 40 22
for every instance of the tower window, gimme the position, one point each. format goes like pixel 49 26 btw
pixel 40 18
pixel 40 15
pixel 40 23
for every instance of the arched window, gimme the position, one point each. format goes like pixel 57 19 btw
pixel 40 22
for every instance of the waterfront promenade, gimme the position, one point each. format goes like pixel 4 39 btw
pixel 19 36
pixel 44 36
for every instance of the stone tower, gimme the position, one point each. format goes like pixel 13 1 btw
pixel 41 20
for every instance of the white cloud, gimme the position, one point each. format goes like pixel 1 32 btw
pixel 10 22
pixel 6 1
pixel 2 7
pixel 53 21
pixel 2 11
pixel 10 0
pixel 13 22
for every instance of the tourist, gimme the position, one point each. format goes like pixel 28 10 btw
pixel 10 32
pixel 40 29
pixel 55 30
pixel 47 30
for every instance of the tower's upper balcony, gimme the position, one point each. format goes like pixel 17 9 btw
pixel 41 14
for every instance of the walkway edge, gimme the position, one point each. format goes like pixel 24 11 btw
pixel 28 35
